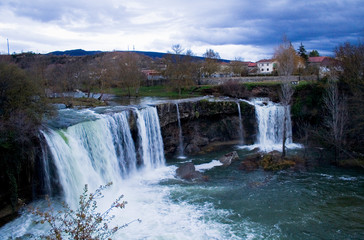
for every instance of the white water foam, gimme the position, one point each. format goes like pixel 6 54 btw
pixel 206 166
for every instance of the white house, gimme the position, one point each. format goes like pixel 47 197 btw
pixel 266 66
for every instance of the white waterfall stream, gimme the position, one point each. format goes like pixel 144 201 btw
pixel 241 131
pixel 270 120
pixel 180 136
pixel 102 151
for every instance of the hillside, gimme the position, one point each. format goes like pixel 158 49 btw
pixel 153 55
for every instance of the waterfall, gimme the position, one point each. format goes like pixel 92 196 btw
pixel 150 137
pixel 241 132
pixel 180 146
pixel 102 151
pixel 46 184
pixel 270 119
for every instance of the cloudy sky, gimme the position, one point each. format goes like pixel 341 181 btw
pixel 235 28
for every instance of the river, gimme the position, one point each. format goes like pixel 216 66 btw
pixel 94 147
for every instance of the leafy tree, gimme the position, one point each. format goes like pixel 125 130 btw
pixel 22 108
pixel 84 223
pixel 314 53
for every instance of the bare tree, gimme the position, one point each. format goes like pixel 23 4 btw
pixel 287 59
pixel 181 70
pixel 239 68
pixel 350 68
pixel 211 64
pixel 336 116
pixel 128 73
pixel 177 48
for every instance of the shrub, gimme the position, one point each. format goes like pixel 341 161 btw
pixel 82 223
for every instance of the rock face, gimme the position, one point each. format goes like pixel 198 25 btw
pixel 228 158
pixel 205 122
pixel 271 162
pixel 188 171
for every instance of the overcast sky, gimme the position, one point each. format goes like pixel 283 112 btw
pixel 235 28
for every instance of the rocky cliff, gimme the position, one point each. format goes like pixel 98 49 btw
pixel 204 123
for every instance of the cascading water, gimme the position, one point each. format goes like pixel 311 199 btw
pixel 241 132
pixel 102 151
pixel 93 153
pixel 270 120
pixel 46 178
pixel 180 145
pixel 150 137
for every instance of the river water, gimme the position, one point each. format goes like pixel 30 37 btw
pixel 315 203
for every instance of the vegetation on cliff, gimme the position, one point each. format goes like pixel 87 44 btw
pixel 23 105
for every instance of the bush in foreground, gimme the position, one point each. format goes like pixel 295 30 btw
pixel 82 223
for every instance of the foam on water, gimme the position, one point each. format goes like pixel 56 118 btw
pixel 207 166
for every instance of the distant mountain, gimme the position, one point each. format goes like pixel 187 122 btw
pixel 74 53
pixel 161 55
pixel 81 52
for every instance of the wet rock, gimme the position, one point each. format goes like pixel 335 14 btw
pixel 228 158
pixel 357 163
pixel 273 161
pixel 251 162
pixel 192 148
pixel 200 141
pixel 188 171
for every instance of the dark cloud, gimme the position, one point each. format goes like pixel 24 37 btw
pixel 317 24
pixel 265 22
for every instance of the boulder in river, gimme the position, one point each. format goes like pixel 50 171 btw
pixel 188 171
pixel 228 158
pixel 251 162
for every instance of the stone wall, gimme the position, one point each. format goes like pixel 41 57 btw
pixel 205 122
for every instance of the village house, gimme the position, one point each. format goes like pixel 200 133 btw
pixel 266 66
pixel 153 77
pixel 323 64
pixel 252 68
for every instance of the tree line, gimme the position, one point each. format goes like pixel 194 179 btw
pixel 342 119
